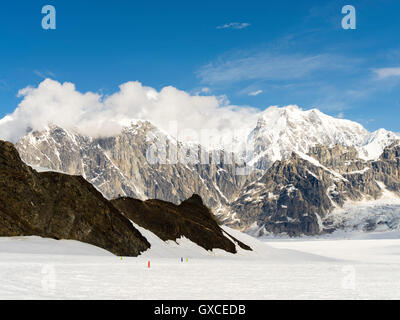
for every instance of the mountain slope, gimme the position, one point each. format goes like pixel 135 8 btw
pixel 281 131
pixel 142 162
pixel 295 196
pixel 60 206
pixel 335 160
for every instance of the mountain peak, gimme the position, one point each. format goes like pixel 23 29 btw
pixel 195 199
pixel 276 112
pixel 282 130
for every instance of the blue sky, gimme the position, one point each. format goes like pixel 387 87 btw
pixel 256 53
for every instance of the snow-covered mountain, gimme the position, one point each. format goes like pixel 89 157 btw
pixel 375 143
pixel 280 131
pixel 120 165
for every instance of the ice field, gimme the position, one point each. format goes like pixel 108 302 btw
pixel 345 267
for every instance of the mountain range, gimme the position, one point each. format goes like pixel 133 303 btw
pixel 294 170
pixel 60 206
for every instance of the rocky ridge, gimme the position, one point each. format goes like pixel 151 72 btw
pixel 191 219
pixel 295 196
pixel 59 206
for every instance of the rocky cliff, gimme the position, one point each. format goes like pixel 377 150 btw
pixel 60 206
pixel 120 166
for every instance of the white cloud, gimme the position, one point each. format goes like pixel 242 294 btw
pixel 3 85
pixel 255 93
pixel 98 115
pixel 44 74
pixel 265 65
pixel 234 25
pixel 384 73
pixel 340 115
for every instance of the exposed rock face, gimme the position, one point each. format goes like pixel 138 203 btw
pixel 387 168
pixel 60 206
pixel 119 166
pixel 296 195
pixel 191 219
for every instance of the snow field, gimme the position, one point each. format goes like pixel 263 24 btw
pixel 36 268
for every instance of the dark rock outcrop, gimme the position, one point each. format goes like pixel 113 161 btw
pixel 191 219
pixel 60 206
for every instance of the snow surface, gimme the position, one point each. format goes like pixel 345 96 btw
pixel 36 268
